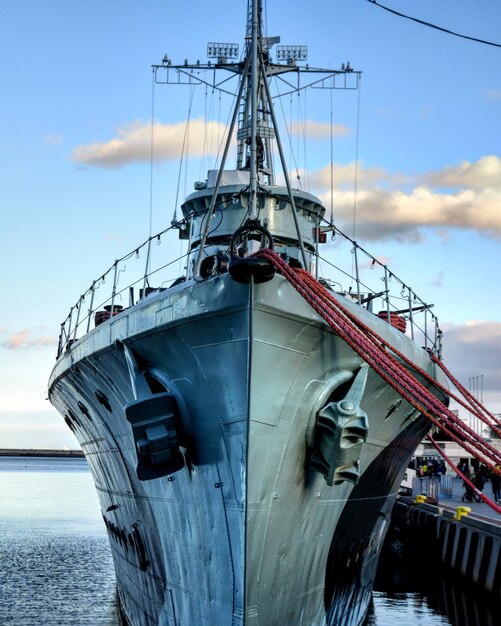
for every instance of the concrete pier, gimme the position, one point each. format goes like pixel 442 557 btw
pixel 467 546
pixel 41 453
pixel 464 543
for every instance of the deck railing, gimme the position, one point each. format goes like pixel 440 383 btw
pixel 373 285
pixel 130 279
pixel 363 278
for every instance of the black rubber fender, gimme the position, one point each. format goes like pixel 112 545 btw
pixel 242 270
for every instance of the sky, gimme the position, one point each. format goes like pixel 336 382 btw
pixel 77 188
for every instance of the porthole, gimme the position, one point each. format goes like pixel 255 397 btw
pixel 393 408
pixel 84 410
pixel 102 399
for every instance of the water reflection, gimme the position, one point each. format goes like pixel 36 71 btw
pixel 392 609
pixel 436 600
pixel 462 608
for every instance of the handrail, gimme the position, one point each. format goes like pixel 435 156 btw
pixel 70 326
pixel 365 292
pixel 431 339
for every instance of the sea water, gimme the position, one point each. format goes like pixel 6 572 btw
pixel 55 560
pixel 56 567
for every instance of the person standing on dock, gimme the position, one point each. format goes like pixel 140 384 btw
pixel 469 493
pixel 479 481
pixel 430 470
pixel 439 471
pixel 496 484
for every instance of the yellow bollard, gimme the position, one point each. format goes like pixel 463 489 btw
pixel 420 499
pixel 461 511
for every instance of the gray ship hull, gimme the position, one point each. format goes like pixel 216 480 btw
pixel 245 532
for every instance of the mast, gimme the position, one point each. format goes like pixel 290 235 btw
pixel 254 87
pixel 260 94
pixel 254 115
pixel 254 130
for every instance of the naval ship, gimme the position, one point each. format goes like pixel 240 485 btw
pixel 244 425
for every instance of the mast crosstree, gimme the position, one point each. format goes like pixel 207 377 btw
pixel 253 113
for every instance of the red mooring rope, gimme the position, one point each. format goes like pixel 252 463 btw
pixel 469 435
pixel 387 362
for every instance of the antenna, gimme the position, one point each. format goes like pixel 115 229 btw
pixel 222 51
pixel 292 54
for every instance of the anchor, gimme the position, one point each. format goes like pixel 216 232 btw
pixel 153 419
pixel 341 430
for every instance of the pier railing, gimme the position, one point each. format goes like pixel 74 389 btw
pixel 349 270
pixel 433 486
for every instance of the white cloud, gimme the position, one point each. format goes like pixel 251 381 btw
pixel 485 173
pixel 391 206
pixel 23 340
pixel 53 140
pixel 132 143
pixel 343 176
pixel 493 94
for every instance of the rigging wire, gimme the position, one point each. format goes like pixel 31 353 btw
pixel 305 134
pixel 297 126
pixel 219 139
pixel 186 132
pixel 152 143
pixel 357 141
pixel 291 117
pixel 355 184
pixel 222 134
pixel 291 147
pixel 212 140
pixel 152 153
pixel 185 182
pixel 202 166
pixel 430 25
pixel 332 157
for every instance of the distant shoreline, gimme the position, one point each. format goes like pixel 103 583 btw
pixel 78 454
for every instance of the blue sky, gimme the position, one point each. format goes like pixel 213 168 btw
pixel 76 82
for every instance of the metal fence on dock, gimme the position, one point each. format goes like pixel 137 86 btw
pixel 433 486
